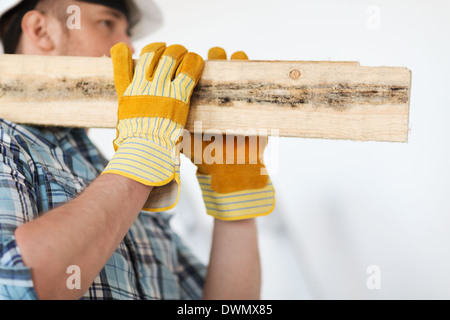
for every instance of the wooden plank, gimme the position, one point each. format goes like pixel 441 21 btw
pixel 307 99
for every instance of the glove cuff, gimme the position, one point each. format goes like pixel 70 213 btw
pixel 165 197
pixel 144 161
pixel 238 205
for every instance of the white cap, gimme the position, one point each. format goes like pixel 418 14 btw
pixel 5 5
pixel 145 16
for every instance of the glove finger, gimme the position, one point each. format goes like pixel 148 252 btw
pixel 217 53
pixel 168 64
pixel 123 67
pixel 187 77
pixel 155 50
pixel 148 59
pixel 239 55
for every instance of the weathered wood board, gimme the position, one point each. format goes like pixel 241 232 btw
pixel 306 99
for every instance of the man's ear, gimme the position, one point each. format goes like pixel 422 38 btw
pixel 35 27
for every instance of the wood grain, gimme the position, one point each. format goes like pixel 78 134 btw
pixel 306 99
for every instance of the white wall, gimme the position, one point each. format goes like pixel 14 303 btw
pixel 341 206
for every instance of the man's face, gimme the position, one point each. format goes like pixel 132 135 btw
pixel 101 27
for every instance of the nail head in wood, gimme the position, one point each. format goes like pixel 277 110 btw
pixel 295 74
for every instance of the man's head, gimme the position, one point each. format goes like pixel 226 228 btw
pixel 41 27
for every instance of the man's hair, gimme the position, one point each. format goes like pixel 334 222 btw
pixel 11 21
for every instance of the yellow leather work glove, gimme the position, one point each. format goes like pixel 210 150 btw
pixel 153 107
pixel 240 189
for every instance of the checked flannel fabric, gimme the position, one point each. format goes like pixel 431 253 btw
pixel 41 168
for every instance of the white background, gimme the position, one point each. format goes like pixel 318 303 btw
pixel 342 206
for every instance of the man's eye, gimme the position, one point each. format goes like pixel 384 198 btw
pixel 107 23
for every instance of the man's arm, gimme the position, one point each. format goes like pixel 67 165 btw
pixel 151 115
pixel 84 232
pixel 234 271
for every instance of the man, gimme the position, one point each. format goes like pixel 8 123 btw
pixel 64 210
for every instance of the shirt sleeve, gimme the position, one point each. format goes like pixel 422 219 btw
pixel 191 272
pixel 17 206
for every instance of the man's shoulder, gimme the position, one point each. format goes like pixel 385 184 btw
pixel 31 136
pixel 13 131
pixel 21 143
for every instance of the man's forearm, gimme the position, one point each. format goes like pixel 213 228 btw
pixel 234 271
pixel 84 232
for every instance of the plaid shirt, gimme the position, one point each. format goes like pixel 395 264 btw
pixel 41 168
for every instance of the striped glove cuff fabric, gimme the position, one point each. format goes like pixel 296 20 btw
pixel 238 205
pixel 143 161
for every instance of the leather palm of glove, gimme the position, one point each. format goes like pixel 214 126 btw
pixel 239 187
pixel 154 102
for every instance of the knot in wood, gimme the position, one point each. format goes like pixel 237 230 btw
pixel 295 74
